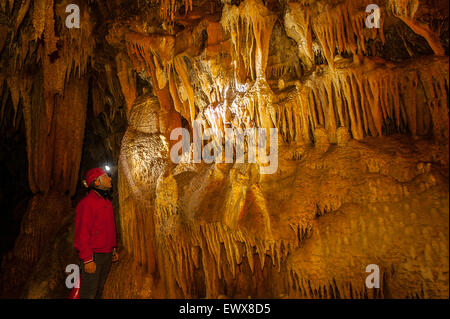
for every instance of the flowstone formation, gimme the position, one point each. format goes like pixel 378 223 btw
pixel 362 143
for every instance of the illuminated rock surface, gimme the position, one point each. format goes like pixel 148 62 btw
pixel 363 130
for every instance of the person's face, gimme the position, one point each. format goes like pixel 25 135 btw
pixel 105 180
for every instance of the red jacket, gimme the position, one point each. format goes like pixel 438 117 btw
pixel 95 229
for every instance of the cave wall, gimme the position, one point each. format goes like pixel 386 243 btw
pixel 362 119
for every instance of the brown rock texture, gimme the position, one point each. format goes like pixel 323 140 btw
pixel 362 121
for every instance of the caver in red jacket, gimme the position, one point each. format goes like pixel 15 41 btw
pixel 95 229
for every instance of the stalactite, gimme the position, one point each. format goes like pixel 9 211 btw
pixel 127 80
pixel 179 106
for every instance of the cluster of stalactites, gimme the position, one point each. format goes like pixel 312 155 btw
pixel 340 28
pixel 170 7
pixel 155 56
pixel 366 101
pixel 250 27
pixel 369 97
pixel 59 64
pixel 78 43
pixel 217 251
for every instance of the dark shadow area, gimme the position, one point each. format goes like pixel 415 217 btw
pixel 14 190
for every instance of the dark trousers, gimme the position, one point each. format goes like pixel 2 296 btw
pixel 92 284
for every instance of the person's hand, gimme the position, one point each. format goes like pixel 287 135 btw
pixel 115 256
pixel 91 267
